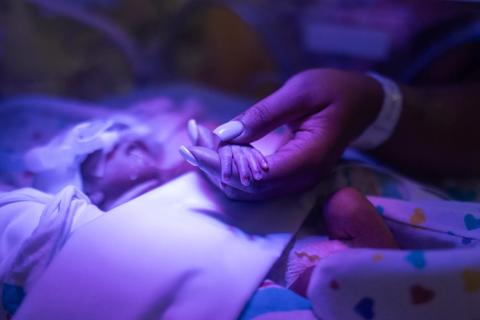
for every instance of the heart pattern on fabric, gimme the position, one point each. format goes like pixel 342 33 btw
pixel 380 210
pixel 334 285
pixel 471 280
pixel 420 294
pixel 377 257
pixel 12 297
pixel 471 222
pixel 365 308
pixel 418 217
pixel 416 259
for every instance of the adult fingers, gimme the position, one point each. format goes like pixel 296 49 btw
pixel 278 181
pixel 284 105
pixel 201 136
pixel 206 159
pixel 209 162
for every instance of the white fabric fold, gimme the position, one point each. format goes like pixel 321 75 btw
pixel 182 251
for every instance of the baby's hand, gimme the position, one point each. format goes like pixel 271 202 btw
pixel 245 159
pixel 242 162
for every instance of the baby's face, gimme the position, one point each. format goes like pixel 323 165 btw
pixel 128 164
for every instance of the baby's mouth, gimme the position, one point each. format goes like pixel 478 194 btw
pixel 139 154
pixel 95 163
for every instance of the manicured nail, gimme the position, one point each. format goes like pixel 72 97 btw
pixel 188 156
pixel 229 130
pixel 192 130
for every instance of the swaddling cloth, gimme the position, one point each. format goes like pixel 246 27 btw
pixel 33 228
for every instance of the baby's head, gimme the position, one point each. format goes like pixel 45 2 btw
pixel 115 159
pixel 105 158
pixel 130 166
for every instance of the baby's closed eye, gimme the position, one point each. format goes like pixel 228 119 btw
pixel 244 159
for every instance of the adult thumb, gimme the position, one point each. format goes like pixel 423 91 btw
pixel 204 158
pixel 268 114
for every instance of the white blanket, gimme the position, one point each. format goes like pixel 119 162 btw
pixel 33 228
pixel 182 251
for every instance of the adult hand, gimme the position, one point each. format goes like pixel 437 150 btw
pixel 324 110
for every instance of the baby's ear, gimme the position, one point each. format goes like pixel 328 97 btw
pixel 201 136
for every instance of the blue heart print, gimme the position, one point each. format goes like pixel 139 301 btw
pixel 379 210
pixel 471 223
pixel 416 258
pixel 12 297
pixel 365 308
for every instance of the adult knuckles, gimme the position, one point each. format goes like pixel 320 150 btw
pixel 260 113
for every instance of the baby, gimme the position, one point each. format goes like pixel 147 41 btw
pixel 349 218
pixel 110 160
pixel 117 158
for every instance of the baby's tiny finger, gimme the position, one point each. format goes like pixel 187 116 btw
pixel 242 166
pixel 226 155
pixel 252 161
pixel 261 159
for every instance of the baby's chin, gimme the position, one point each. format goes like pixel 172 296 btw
pixel 116 181
pixel 112 193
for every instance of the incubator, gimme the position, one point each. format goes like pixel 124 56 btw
pixel 397 39
pixel 246 47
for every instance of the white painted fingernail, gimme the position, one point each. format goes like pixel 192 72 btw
pixel 188 156
pixel 192 130
pixel 229 130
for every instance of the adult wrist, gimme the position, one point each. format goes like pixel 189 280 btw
pixel 382 128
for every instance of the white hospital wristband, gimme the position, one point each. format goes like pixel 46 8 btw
pixel 384 125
